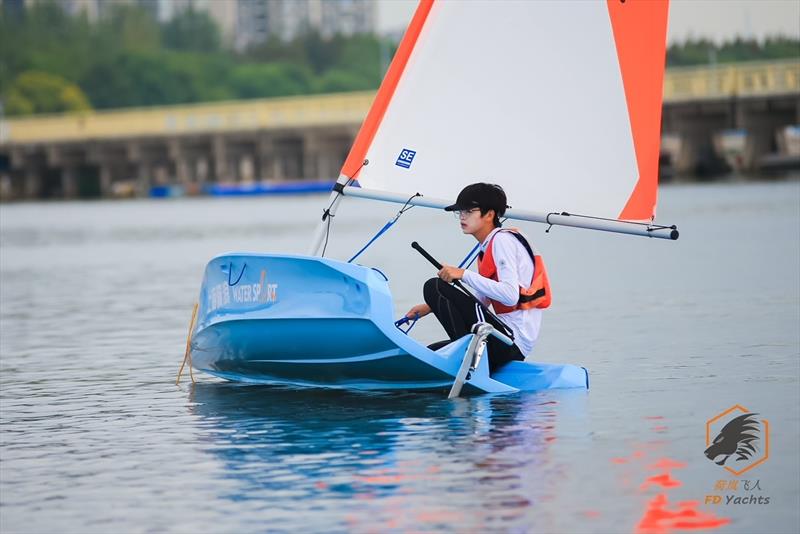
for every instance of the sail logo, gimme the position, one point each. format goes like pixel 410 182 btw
pixel 405 158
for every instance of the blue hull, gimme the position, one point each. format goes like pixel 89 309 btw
pixel 315 322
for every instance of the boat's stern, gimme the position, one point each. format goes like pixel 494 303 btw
pixel 304 321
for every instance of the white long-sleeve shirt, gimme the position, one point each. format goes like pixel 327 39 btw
pixel 514 270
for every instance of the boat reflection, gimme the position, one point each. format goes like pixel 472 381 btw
pixel 372 460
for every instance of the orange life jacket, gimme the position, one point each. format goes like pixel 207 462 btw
pixel 537 295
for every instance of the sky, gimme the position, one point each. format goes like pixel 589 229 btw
pixel 716 19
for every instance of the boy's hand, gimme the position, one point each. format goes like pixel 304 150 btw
pixel 449 273
pixel 420 310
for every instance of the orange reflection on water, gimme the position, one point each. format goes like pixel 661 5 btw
pixel 659 516
pixel 660 519
pixel 667 464
pixel 637 455
pixel 664 480
pixel 405 471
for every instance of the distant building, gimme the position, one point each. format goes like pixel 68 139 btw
pixel 347 17
pixel 244 23
pixel 259 20
pixel 91 9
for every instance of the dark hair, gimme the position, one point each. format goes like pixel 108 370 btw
pixel 496 221
pixel 496 201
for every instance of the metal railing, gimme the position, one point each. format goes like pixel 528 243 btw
pixel 243 115
pixel 757 78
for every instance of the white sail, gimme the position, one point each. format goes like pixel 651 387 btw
pixel 558 102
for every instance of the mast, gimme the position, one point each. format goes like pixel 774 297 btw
pixel 334 200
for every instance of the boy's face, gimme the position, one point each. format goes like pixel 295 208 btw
pixel 473 222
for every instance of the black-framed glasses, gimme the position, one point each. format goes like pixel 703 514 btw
pixel 463 214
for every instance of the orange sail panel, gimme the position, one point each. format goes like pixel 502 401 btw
pixel 640 33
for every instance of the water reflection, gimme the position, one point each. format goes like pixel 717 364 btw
pixel 88 413
pixel 372 460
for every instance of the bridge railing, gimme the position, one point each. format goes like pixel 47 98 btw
pixel 210 117
pixel 757 78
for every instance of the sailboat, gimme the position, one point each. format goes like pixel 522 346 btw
pixel 559 102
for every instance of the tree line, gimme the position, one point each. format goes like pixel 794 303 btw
pixel 701 51
pixel 51 61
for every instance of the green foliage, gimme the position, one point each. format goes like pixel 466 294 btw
pixel 17 104
pixel 273 50
pixel 781 47
pixel 704 52
pixel 134 28
pixel 73 99
pixel 128 59
pixel 336 81
pixel 192 31
pixel 40 92
pixel 135 79
pixel 272 79
pixel 150 79
pixel 44 40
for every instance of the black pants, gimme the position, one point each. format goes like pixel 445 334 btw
pixel 456 312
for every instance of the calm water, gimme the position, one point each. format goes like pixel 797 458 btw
pixel 96 437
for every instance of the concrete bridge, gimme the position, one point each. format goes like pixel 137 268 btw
pixel 127 152
pixel 731 115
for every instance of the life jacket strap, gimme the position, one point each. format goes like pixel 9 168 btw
pixel 524 243
pixel 528 298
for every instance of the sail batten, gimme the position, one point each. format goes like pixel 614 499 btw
pixel 535 96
